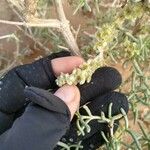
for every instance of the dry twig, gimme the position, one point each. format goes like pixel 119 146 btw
pixel 62 24
pixel 65 28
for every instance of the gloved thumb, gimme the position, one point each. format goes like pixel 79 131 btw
pixel 65 100
pixel 71 96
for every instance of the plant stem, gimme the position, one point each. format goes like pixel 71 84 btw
pixel 65 28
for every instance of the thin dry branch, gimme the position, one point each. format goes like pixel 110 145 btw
pixel 65 28
pixel 61 23
pixel 34 40
pixel 53 23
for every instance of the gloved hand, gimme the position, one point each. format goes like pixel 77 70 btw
pixel 47 116
pixel 98 94
pixel 12 99
pixel 40 74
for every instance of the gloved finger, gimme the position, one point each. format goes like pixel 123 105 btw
pixel 104 80
pixel 38 74
pixel 65 65
pixel 67 94
pixel 100 104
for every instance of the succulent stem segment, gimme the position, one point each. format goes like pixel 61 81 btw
pixel 82 74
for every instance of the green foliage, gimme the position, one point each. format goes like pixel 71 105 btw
pixel 83 121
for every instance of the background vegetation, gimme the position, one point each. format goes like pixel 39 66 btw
pixel 118 29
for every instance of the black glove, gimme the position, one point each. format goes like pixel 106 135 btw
pixel 12 100
pixel 41 126
pixel 40 74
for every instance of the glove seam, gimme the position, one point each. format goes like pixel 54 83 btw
pixel 19 76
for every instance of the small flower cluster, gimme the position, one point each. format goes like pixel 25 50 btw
pixel 133 11
pixel 106 35
pixel 138 49
pixel 131 48
pixel 82 74
pixel 109 31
